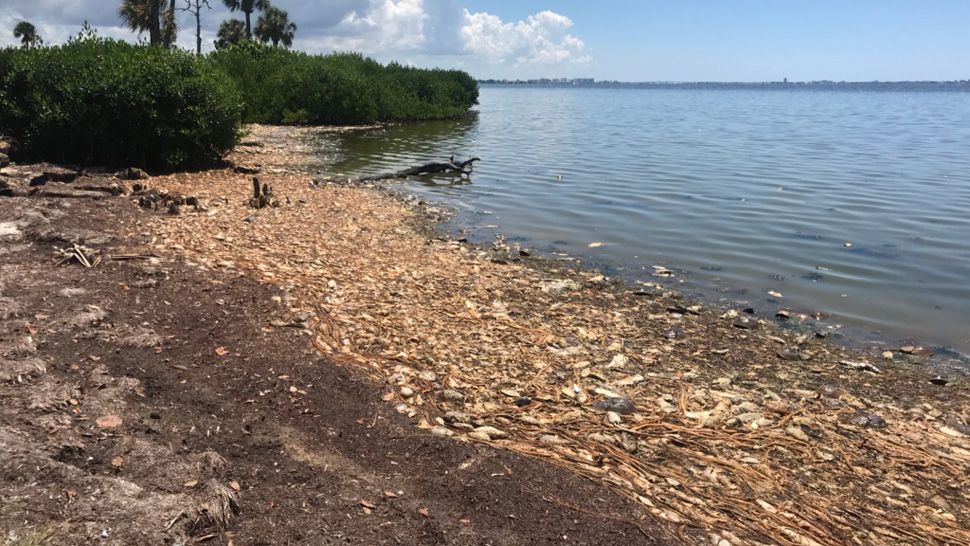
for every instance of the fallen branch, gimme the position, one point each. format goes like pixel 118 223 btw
pixel 462 167
pixel 131 257
pixel 63 194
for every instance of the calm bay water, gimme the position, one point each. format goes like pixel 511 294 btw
pixel 855 204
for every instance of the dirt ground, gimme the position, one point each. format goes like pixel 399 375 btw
pixel 143 402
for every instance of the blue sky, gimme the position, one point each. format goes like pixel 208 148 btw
pixel 631 40
pixel 770 39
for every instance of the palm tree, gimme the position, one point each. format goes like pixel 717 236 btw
pixel 247 7
pixel 231 31
pixel 274 26
pixel 27 34
pixel 142 15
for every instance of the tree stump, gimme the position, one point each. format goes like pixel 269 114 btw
pixel 262 196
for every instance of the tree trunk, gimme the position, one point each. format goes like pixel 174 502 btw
pixel 249 28
pixel 154 23
pixel 198 29
pixel 171 20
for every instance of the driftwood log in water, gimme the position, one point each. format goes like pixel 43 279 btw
pixel 452 166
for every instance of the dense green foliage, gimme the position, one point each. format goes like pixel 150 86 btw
pixel 96 101
pixel 99 101
pixel 281 86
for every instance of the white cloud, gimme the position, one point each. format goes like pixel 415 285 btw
pixel 542 38
pixel 383 26
pixel 428 32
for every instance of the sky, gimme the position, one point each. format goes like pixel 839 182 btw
pixel 626 40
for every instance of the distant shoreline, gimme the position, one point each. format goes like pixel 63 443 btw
pixel 960 85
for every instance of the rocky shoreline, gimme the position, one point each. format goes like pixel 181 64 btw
pixel 725 428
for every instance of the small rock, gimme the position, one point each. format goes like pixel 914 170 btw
pixel 132 173
pixel 939 502
pixel 956 424
pixel 628 443
pixel 428 375
pixel 479 435
pixel 453 417
pixel 869 420
pixel 452 395
pixel 613 417
pixel 4 160
pixel 888 355
pixel 745 418
pixel 618 361
pixel 783 314
pixel 830 391
pixel 797 433
pixel 763 422
pixel 523 401
pixel 792 355
pixel 492 432
pixel 59 174
pixel 623 406
pixel 939 381
pixel 407 392
pixel 109 421
pixel 552 439
pixel 746 323
pixel 908 349
pixel 441 431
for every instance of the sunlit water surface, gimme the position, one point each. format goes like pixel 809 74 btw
pixel 854 204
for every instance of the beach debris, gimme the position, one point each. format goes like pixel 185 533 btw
pixel 172 202
pixel 867 419
pixel 746 323
pixel 792 354
pixel 132 173
pixel 595 245
pixel 719 421
pixel 463 168
pixel 938 380
pixel 775 294
pixel 862 366
pixel 623 406
pixel 78 254
pixel 109 421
